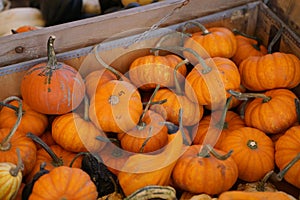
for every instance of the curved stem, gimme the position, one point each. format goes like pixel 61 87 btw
pixel 207 150
pixel 15 108
pixel 221 123
pixel 5 143
pixel 86 108
pixel 56 160
pixel 52 60
pixel 106 66
pixel 177 85
pixel 77 156
pixel 246 96
pixel 258 40
pixel 146 140
pixel 261 184
pixel 274 40
pixel 20 166
pixel 206 69
pixel 185 140
pixel 156 102
pixel 281 174
pixel 197 24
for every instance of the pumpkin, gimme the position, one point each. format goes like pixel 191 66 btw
pixel 142 170
pixel 271 112
pixel 216 41
pixel 75 133
pixel 198 171
pixel 287 155
pixel 11 138
pixel 221 123
pixel 141 2
pixel 175 99
pixel 54 156
pixel 32 121
pixel 199 86
pixel 11 178
pixel 190 196
pixel 271 71
pixel 147 71
pixel 76 184
pixel 52 87
pixel 25 28
pixel 116 107
pixel 242 195
pixel 247 46
pixel 249 146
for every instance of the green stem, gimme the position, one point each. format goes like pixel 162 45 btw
pixel 245 96
pixel 207 150
pixel 56 161
pixel 77 156
pixel 258 40
pixel 221 124
pixel 206 69
pixel 5 143
pixel 281 174
pixel 146 140
pixel 20 166
pixel 274 40
pixel 185 140
pixel 177 85
pixel 197 24
pixel 52 60
pixel 261 184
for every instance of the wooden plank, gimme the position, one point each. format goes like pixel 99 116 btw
pixel 86 32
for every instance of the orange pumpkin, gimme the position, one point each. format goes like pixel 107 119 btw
pixel 216 41
pixel 24 28
pixel 249 146
pixel 116 107
pixel 148 71
pixel 197 171
pixel 271 71
pixel 242 195
pixel 64 183
pixel 32 121
pixel 287 149
pixel 52 87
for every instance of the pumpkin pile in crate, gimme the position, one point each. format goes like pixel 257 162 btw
pixel 204 123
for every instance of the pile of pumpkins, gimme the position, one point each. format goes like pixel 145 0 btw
pixel 167 129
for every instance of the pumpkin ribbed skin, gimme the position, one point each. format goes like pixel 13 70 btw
pixel 220 42
pixel 287 147
pixel 253 151
pixel 192 112
pixel 148 71
pixel 271 71
pixel 247 47
pixel 242 195
pixel 32 121
pixel 64 183
pixel 207 175
pixel 196 86
pixel 27 150
pixel 9 184
pixel 273 116
pixel 232 122
pixel 116 107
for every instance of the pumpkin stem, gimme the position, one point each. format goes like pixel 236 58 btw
pixel 206 69
pixel 261 184
pixel 297 104
pixel 243 108
pixel 177 85
pixel 20 166
pixel 106 66
pixel 246 96
pixel 221 124
pixel 207 150
pixel 52 60
pixel 252 144
pixel 185 140
pixel 5 143
pixel 56 161
pixel 156 102
pixel 141 123
pixel 146 140
pixel 197 24
pixel 258 40
pixel 274 40
pixel 77 156
pixel 86 108
pixel 281 174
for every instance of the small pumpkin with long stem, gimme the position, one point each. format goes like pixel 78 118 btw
pixel 176 99
pixel 77 133
pixel 76 184
pixel 54 156
pixel 11 178
pixel 271 71
pixel 249 146
pixel 247 46
pixel 192 171
pixel 10 139
pixel 32 121
pixel 272 112
pixel 52 87
pixel 149 135
pixel 216 41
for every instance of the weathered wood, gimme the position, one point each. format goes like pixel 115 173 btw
pixel 94 30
